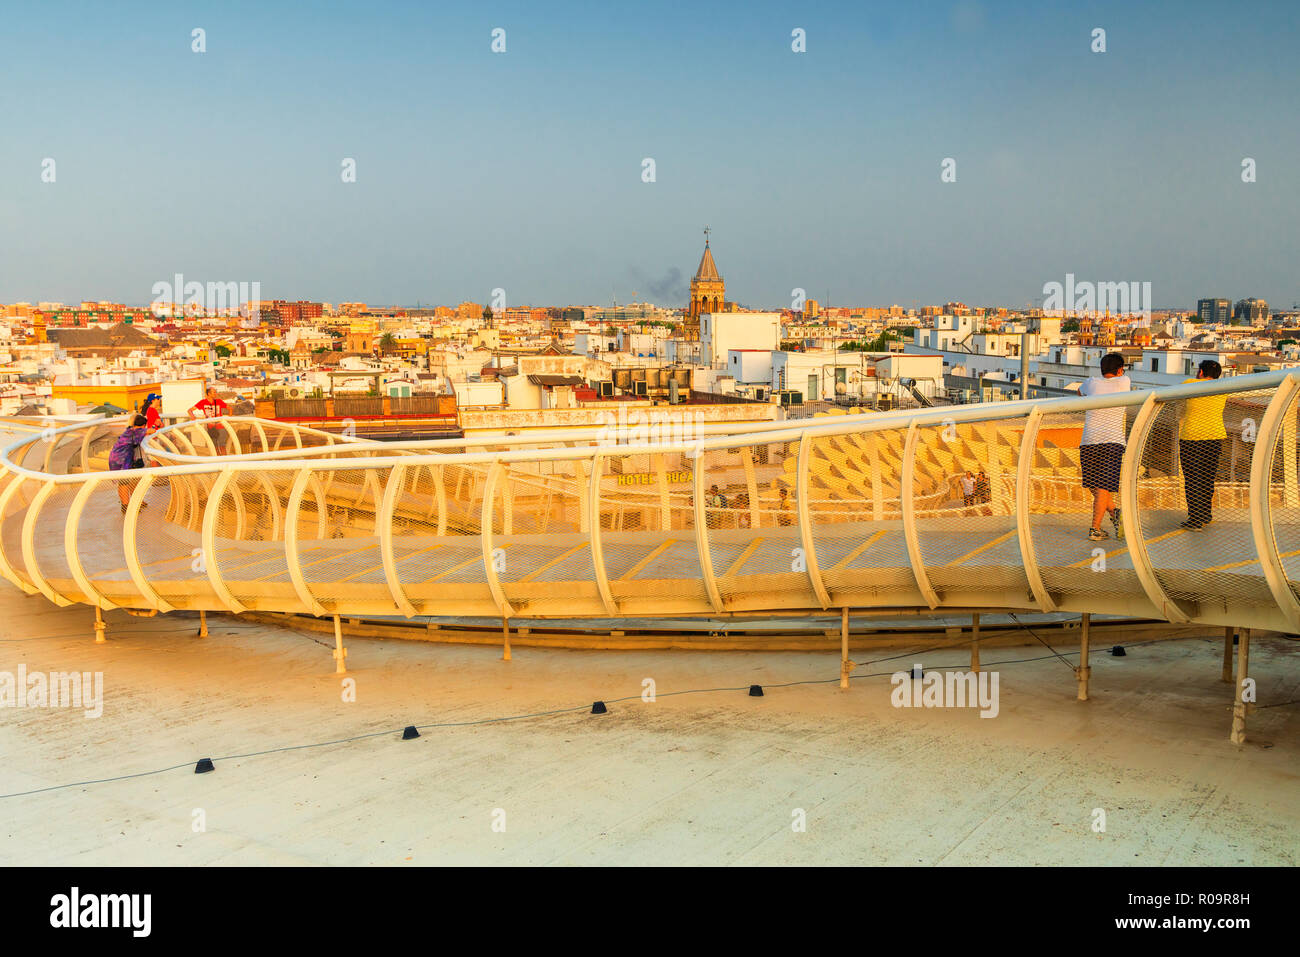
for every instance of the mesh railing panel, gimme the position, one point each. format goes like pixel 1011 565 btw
pixel 1196 468
pixel 647 516
pixel 250 554
pixel 169 540
pixel 964 493
pixel 343 568
pixel 437 549
pixel 755 546
pixel 544 562
pixel 102 548
pixel 1284 493
pixel 1070 563
pixel 855 510
pixel 51 555
pixel 11 526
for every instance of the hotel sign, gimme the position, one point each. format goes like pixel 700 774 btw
pixel 651 478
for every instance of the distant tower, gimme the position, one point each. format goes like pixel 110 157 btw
pixel 708 292
pixel 1086 338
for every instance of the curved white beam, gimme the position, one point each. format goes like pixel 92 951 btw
pixel 1261 506
pixel 1024 528
pixel 907 494
pixel 291 552
pixel 597 549
pixel 29 546
pixel 485 526
pixel 73 553
pixel 1128 490
pixel 6 568
pixel 131 548
pixel 384 521
pixel 802 465
pixel 210 541
pixel 701 511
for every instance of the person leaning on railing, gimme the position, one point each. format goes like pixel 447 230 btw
pixel 1101 447
pixel 1200 442
pixel 152 423
pixel 212 407
pixel 124 457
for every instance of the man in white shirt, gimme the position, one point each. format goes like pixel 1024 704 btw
pixel 967 489
pixel 1101 449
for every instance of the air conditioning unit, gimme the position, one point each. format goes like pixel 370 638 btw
pixel 605 389
pixel 760 393
pixel 295 393
pixel 640 387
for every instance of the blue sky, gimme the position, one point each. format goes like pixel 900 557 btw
pixel 522 170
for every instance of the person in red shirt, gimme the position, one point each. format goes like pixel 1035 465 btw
pixel 151 413
pixel 211 407
pixel 153 422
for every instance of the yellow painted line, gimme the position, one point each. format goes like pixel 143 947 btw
pixel 857 551
pixel 456 568
pixel 552 563
pixel 1253 561
pixel 744 557
pixel 1121 551
pixel 319 561
pixel 971 554
pixel 632 572
pixel 375 568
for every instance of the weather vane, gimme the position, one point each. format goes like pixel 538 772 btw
pixel 706 235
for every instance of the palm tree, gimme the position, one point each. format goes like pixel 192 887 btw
pixel 387 343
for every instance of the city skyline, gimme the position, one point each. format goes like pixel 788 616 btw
pixel 523 170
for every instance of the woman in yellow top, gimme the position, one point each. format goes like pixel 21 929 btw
pixel 1200 442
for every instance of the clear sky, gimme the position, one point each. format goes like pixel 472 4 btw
pixel 523 170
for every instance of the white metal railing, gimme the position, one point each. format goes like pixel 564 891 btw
pixel 296 519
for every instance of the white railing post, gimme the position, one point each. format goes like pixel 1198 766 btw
pixel 485 536
pixel 804 505
pixel 29 546
pixel 1128 491
pixel 384 521
pixel 1024 475
pixel 702 534
pixel 597 547
pixel 210 541
pixel 1271 429
pixel 6 567
pixel 291 553
pixel 73 555
pixel 907 501
pixel 130 545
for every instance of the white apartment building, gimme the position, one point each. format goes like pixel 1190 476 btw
pixel 721 332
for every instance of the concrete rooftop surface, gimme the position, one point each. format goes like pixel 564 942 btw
pixel 699 779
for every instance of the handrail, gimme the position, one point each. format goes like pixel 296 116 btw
pixel 856 479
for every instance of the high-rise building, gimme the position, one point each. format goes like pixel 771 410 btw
pixel 1251 311
pixel 1214 310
